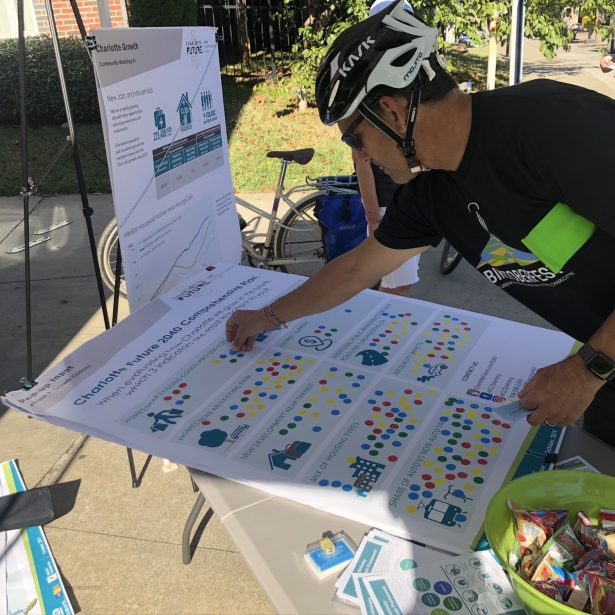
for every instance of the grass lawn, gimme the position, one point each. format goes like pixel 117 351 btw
pixel 259 119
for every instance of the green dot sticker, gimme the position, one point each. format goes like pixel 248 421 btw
pixel 403 434
pixel 283 432
pixel 478 480
pixel 378 445
pixel 334 330
pixel 421 584
pixel 307 405
pixel 291 425
pixel 348 374
pixel 453 603
pixel 233 361
pixel 244 399
pixel 407 564
pixel 371 437
pixel 373 453
pixel 291 382
pixel 224 418
pixel 430 599
pixel 442 458
pixel 440 612
pixel 185 396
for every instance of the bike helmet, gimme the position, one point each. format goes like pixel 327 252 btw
pixel 393 48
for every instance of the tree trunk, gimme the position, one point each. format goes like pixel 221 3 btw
pixel 243 33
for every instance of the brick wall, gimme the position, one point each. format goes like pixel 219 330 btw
pixel 65 20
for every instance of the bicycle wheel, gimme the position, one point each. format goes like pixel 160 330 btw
pixel 302 240
pixel 107 257
pixel 450 259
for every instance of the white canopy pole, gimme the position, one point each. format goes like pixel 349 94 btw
pixel 516 42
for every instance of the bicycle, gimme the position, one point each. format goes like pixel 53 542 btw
pixel 292 244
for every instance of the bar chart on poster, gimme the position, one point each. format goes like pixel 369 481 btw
pixel 387 410
pixel 163 120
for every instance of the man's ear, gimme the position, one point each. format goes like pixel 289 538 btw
pixel 394 111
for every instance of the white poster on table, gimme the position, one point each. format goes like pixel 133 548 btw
pixel 165 135
pixel 382 409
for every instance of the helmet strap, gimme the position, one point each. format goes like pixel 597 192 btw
pixel 404 143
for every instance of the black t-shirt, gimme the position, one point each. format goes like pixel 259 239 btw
pixel 385 186
pixel 531 147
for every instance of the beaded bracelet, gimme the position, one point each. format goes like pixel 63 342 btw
pixel 276 321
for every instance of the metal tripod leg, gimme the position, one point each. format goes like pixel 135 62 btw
pixel 136 480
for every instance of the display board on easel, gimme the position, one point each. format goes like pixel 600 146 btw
pixel 165 134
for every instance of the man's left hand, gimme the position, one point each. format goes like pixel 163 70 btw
pixel 560 393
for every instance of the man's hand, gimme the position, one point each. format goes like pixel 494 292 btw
pixel 243 327
pixel 560 393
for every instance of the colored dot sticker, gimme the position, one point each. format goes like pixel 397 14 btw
pixel 421 584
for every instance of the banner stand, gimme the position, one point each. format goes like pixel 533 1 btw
pixel 28 188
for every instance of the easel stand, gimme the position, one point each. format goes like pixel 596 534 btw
pixel 28 188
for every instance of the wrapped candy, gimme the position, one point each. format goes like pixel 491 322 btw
pixel 607 520
pixel 551 590
pixel 535 527
pixel 586 532
pixel 602 595
pixel 600 554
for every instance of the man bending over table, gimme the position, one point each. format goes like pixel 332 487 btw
pixel 528 203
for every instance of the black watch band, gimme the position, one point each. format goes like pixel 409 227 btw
pixel 597 363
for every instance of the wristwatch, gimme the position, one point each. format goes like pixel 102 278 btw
pixel 597 363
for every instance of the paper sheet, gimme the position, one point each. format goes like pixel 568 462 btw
pixel 471 584
pixel 381 409
pixel 576 463
pixel 382 552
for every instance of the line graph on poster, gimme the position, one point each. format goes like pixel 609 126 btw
pixel 190 254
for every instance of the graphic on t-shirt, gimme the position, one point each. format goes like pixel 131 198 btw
pixel 496 254
pixel 451 464
pixel 441 348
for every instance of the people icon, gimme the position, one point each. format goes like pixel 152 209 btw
pixel 164 418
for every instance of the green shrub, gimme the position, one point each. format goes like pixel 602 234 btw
pixel 44 96
pixel 159 13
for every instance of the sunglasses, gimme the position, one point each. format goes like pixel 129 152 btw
pixel 352 140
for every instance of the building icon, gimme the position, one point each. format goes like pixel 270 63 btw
pixel 185 110
pixel 282 459
pixel 207 100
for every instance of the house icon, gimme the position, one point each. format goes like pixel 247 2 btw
pixel 185 110
pixel 281 459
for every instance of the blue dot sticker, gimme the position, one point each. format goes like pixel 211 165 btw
pixel 323 483
pixel 443 588
pixel 336 484
pixel 317 429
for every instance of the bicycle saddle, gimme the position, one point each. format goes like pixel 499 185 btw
pixel 301 156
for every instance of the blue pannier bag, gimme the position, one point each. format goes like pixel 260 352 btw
pixel 342 222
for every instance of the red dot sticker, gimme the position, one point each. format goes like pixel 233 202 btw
pixel 461 409
pixel 376 339
pixel 485 416
pixel 394 426
pixel 462 475
pixel 240 415
pixel 275 373
pixel 247 392
pixel 377 431
pixel 444 356
pixel 386 403
pixel 467 329
pixel 293 367
pixel 322 382
pixel 430 485
pixel 388 331
pixel 496 440
pixel 426 477
pixel 206 423
pixel 483 462
pixel 183 385
pixel 270 369
pixel 317 331
pixel 431 355
pixel 463 323
pixel 496 422
pixel 440 343
pixel 376 408
pixel 392 458
pixel 418 402
pixel 408 314
pixel 450 477
pixel 176 392
pixel 446 330
pixel 466 444
pixel 505 426
pixel 275 363
pixel 437 324
pixel 168 398
pixel 465 462
pixel 369 423
pixel 408 391
pixel 394 342
pixel 389 414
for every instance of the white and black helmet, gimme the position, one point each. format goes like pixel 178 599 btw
pixel 393 48
pixel 388 49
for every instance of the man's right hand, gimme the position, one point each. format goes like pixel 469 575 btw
pixel 243 327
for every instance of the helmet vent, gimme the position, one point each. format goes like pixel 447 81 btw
pixel 404 58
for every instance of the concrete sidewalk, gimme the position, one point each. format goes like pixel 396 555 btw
pixel 119 548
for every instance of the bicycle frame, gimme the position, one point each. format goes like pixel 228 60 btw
pixel 265 253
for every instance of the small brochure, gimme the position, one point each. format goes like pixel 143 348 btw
pixel 470 584
pixel 380 552
pixel 575 463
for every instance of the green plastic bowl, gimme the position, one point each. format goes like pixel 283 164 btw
pixel 571 490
